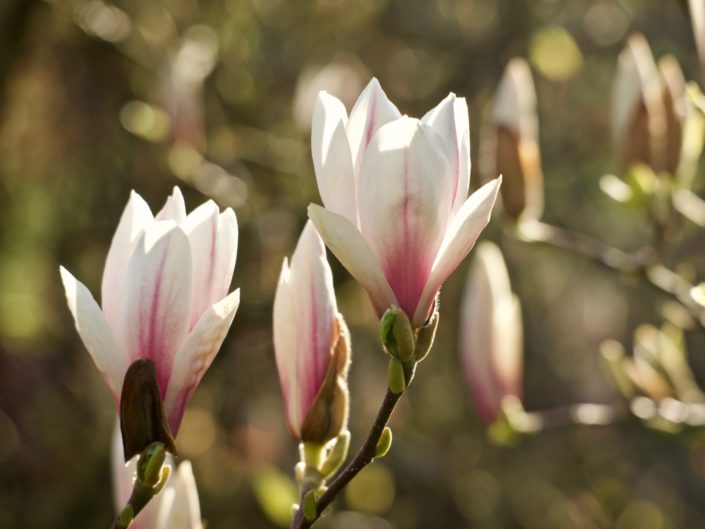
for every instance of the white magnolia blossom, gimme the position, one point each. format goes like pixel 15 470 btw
pixel 164 297
pixel 395 190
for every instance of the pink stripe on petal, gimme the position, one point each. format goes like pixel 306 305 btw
pixel 196 354
pixel 157 304
pixel 405 199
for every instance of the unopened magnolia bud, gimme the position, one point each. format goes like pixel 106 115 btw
pixel 674 104
pixel 337 455
pixel 142 419
pixel 425 337
pixel 517 151
pixel 384 443
pixel 638 114
pixel 396 334
pixel 395 376
pixel 328 415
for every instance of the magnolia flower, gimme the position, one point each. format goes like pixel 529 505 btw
pixel 395 188
pixel 311 344
pixel 491 333
pixel 518 156
pixel 175 507
pixel 164 297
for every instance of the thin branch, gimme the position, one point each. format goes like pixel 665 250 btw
pixel 363 457
pixel 642 263
pixel 585 414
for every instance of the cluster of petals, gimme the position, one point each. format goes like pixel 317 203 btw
pixel 310 342
pixel 491 341
pixel 395 190
pixel 164 297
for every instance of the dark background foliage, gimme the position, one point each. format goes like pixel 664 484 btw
pixel 99 98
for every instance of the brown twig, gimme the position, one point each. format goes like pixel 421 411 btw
pixel 363 457
pixel 642 263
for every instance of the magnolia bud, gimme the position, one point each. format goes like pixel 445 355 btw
pixel 396 334
pixel 425 337
pixel 395 376
pixel 384 443
pixel 491 333
pixel 674 104
pixel 517 152
pixel 638 113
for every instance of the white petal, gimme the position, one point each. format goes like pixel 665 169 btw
pixel 155 317
pixel 372 110
pixel 460 237
pixel 514 105
pixel 405 200
pixel 332 160
pixel 347 244
pixel 450 120
pixel 226 254
pixel 123 477
pixel 180 508
pixel 196 354
pixel 201 227
pixel 285 335
pixel 95 332
pixel 174 208
pixel 135 218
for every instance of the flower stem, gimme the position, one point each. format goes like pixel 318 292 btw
pixel 363 457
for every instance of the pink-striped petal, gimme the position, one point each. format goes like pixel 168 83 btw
pixel 135 218
pixel 405 200
pixel 95 332
pixel 157 308
pixel 461 235
pixel 347 244
pixel 201 227
pixel 332 159
pixel 372 110
pixel 196 355
pixel 174 208
pixel 450 120
pixel 304 314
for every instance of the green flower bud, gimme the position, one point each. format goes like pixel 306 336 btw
pixel 149 466
pixel 425 337
pixel 308 505
pixel 395 376
pixel 337 455
pixel 384 443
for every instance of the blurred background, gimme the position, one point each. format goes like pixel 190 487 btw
pixel 98 98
